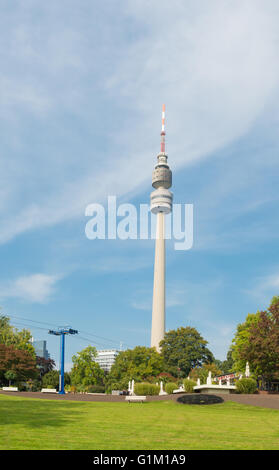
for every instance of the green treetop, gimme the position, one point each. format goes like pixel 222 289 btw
pixel 86 371
pixel 11 336
pixel 138 364
pixel 183 349
pixel 241 340
pixel 262 349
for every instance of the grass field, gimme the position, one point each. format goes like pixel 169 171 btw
pixel 27 423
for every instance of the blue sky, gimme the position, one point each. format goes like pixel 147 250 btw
pixel 82 85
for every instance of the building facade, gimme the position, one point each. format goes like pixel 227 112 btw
pixel 41 349
pixel 106 358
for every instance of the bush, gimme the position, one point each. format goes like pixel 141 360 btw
pixel 35 386
pixel 51 379
pixel 71 388
pixel 189 385
pixel 146 389
pixel 165 377
pixel 115 386
pixel 95 389
pixel 80 388
pixel 246 386
pixel 22 387
pixel 170 387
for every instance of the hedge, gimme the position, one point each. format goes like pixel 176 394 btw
pixel 95 389
pixel 170 387
pixel 146 389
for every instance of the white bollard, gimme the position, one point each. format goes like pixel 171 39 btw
pixel 161 389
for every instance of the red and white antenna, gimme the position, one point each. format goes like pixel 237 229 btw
pixel 163 133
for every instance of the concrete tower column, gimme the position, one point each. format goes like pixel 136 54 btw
pixel 158 307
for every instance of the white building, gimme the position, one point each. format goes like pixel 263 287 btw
pixel 106 358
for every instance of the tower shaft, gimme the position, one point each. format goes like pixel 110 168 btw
pixel 158 307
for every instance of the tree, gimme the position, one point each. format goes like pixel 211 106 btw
pixel 51 379
pixel 202 372
pixel 6 330
pixel 219 364
pixel 183 349
pixel 165 377
pixel 241 341
pixel 10 375
pixel 19 361
pixel 45 365
pixel 11 336
pixel 135 364
pixel 227 365
pixel 262 348
pixel 86 371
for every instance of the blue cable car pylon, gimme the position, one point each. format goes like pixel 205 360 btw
pixel 62 332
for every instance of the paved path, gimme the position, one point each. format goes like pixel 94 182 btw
pixel 265 401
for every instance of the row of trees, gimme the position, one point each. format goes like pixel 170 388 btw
pixel 182 350
pixel 184 353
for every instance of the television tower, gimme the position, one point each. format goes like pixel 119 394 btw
pixel 160 204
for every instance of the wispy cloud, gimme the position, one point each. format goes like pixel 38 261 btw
pixel 211 66
pixel 263 288
pixel 179 294
pixel 143 299
pixel 34 288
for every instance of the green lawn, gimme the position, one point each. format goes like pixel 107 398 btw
pixel 49 424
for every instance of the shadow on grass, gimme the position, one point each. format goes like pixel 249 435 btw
pixel 38 413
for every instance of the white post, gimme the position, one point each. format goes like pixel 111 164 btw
pixel 133 386
pixel 162 389
pixel 198 381
pixel 208 380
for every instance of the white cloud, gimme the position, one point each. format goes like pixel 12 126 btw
pixel 215 64
pixel 37 288
pixel 263 288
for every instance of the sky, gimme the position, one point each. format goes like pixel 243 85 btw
pixel 82 88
